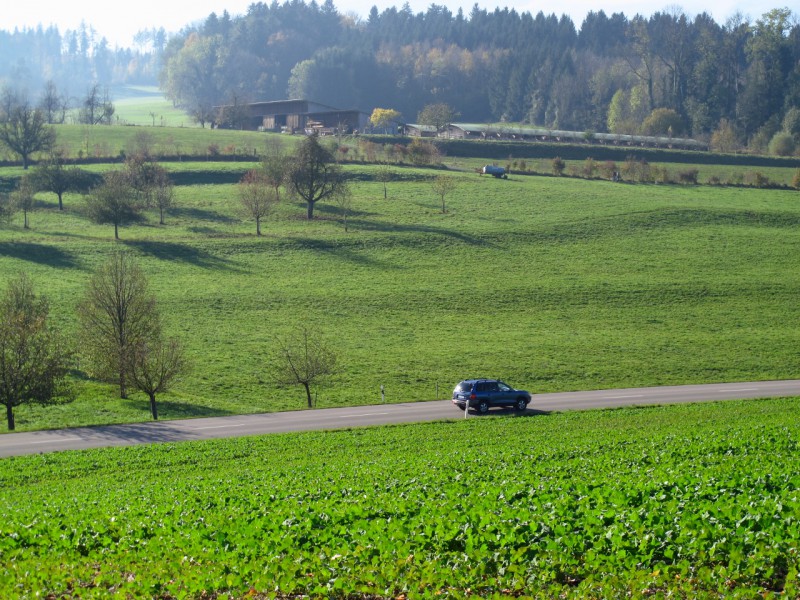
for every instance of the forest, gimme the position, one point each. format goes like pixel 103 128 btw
pixel 738 80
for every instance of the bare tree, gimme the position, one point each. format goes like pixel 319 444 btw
pixel 344 200
pixel 34 361
pixel 117 314
pixel 257 197
pixel 384 174
pixel 97 106
pixel 163 197
pixel 276 166
pixel 114 202
pixel 314 175
pixel 442 186
pixel 23 198
pixel 155 365
pixel 302 358
pixel 25 131
pixel 52 105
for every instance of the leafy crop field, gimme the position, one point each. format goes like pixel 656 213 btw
pixel 551 283
pixel 693 501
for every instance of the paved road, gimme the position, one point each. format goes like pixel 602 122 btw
pixel 15 444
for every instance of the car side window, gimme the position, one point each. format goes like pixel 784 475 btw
pixel 480 387
pixel 491 386
pixel 504 387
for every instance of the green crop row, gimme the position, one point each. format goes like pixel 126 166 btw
pixel 687 501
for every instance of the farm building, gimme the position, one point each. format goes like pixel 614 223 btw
pixel 503 132
pixel 416 130
pixel 302 115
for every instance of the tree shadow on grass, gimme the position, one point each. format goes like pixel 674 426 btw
pixel 384 227
pixel 173 251
pixel 172 409
pixel 199 214
pixel 345 251
pixel 42 254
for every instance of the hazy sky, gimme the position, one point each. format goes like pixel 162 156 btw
pixel 119 21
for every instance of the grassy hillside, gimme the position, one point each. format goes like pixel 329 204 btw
pixel 145 105
pixel 551 283
pixel 696 501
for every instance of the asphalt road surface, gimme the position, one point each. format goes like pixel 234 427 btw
pixel 36 442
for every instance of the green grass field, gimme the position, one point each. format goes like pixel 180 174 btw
pixel 551 283
pixel 145 105
pixel 696 501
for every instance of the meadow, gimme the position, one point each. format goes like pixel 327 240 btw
pixel 550 283
pixel 694 501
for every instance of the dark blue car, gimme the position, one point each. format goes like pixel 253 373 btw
pixel 482 394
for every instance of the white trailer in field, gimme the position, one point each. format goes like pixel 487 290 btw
pixel 494 171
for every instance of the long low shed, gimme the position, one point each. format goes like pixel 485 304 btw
pixel 477 131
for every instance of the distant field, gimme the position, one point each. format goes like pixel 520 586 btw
pixel 696 501
pixel 551 283
pixel 142 105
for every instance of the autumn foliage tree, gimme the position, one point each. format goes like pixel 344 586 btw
pixel 382 118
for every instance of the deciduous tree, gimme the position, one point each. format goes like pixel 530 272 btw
pixel 97 107
pixel 52 104
pixel 118 314
pixel 345 203
pixel 25 131
pixel 52 176
pixel 276 165
pixel 302 357
pixel 114 202
pixel 442 186
pixel 155 365
pixel 384 174
pixel 151 183
pixel 382 118
pixel 314 175
pixel 23 198
pixel 438 115
pixel 34 361
pixel 257 197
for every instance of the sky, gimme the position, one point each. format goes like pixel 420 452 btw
pixel 118 22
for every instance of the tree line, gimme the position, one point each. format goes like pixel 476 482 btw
pixel 740 78
pixel 77 58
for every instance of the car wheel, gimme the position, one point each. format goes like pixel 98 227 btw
pixel 483 407
pixel 521 405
